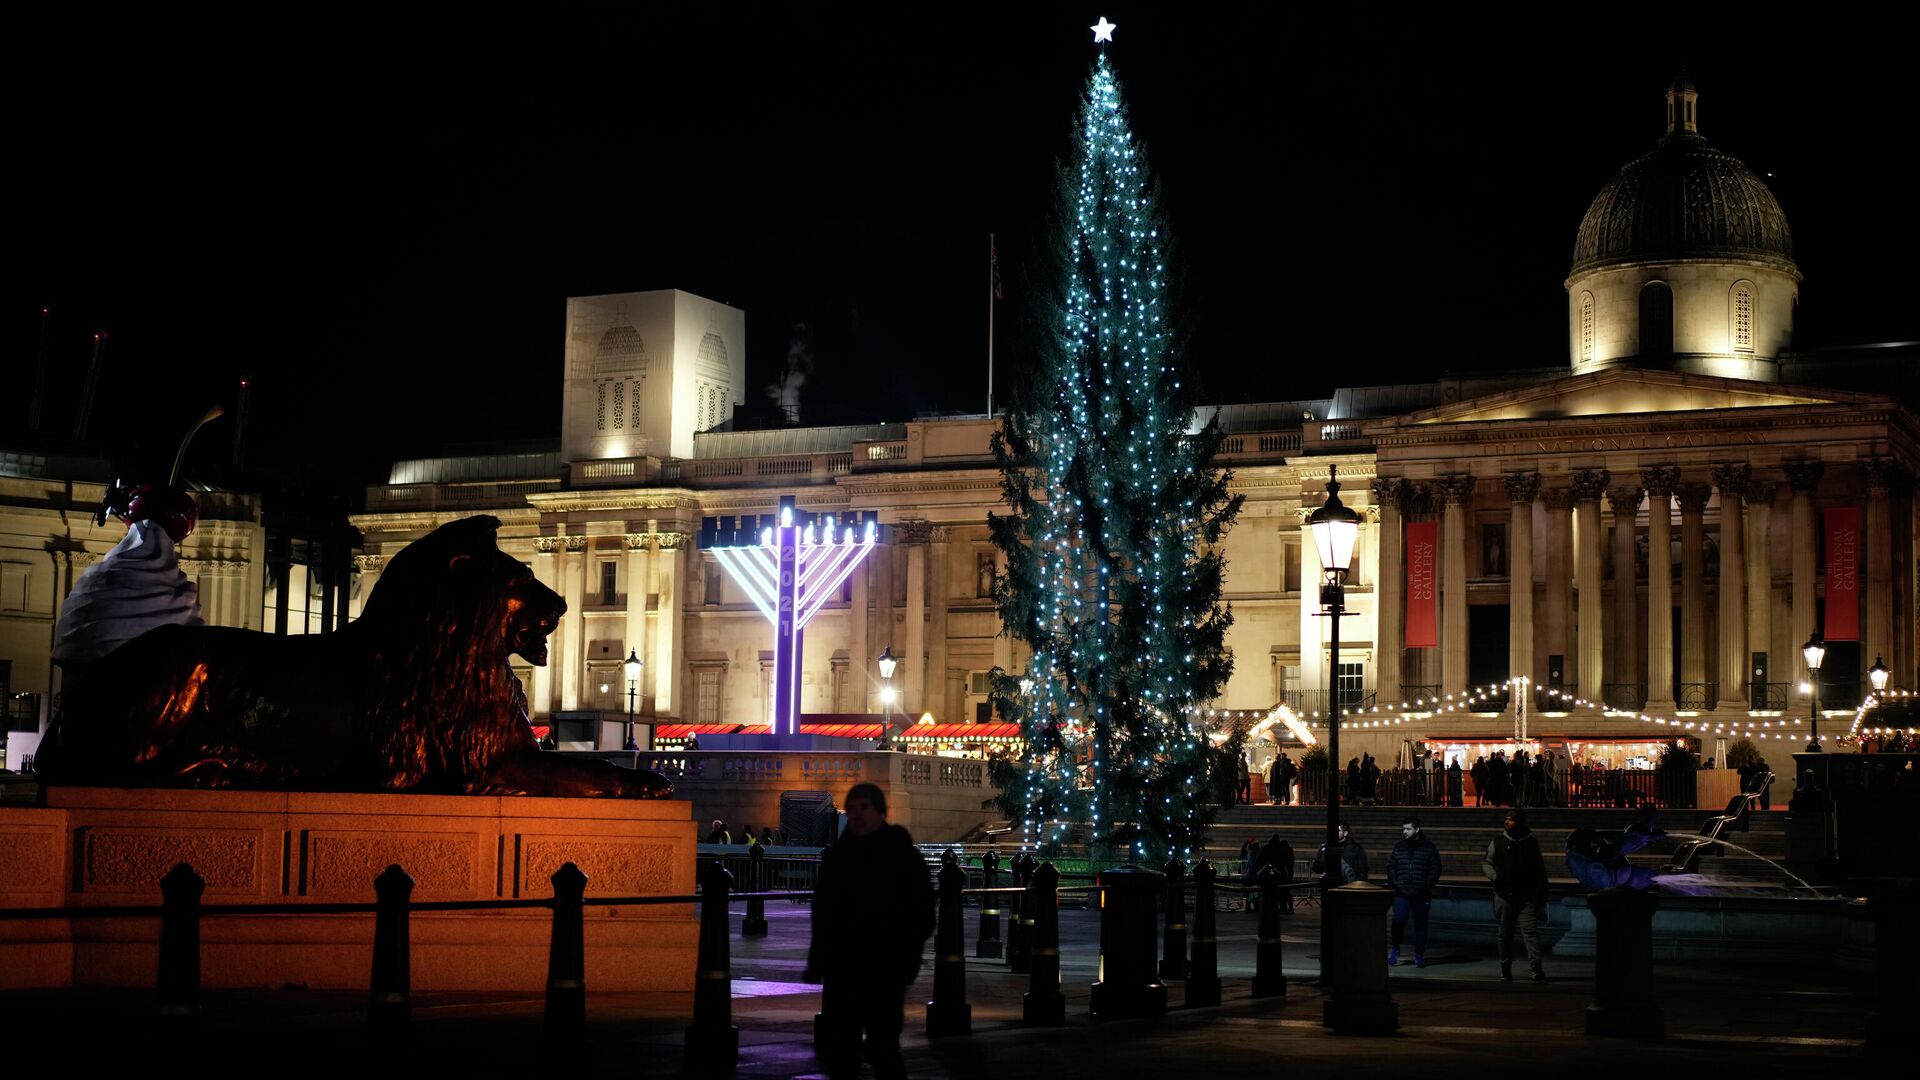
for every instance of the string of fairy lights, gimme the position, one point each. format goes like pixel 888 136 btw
pixel 1879 699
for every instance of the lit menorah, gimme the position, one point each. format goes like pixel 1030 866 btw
pixel 790 563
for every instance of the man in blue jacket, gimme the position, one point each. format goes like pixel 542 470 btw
pixel 1413 870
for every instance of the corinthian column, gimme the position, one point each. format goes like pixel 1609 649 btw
pixel 1522 489
pixel 1387 590
pixel 1804 476
pixel 1557 599
pixel 1879 640
pixel 573 571
pixel 1732 480
pixel 1455 489
pixel 1693 587
pixel 1588 486
pixel 546 571
pixel 1759 499
pixel 669 644
pixel 914 536
pixel 1625 643
pixel 1660 481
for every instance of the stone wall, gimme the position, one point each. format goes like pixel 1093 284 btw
pixel 936 799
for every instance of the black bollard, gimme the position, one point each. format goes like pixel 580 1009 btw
pixel 1044 1003
pixel 988 945
pixel 755 924
pixel 1269 980
pixel 179 982
pixel 1203 975
pixel 1128 986
pixel 948 1013
pixel 1623 1001
pixel 567 959
pixel 713 1040
pixel 390 1003
pixel 1020 933
pixel 1173 948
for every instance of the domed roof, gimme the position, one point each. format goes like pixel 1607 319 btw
pixel 1685 200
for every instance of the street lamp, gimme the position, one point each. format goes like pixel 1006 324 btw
pixel 1815 650
pixel 1335 528
pixel 1878 673
pixel 886 661
pixel 633 666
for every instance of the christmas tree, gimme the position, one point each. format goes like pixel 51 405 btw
pixel 1113 574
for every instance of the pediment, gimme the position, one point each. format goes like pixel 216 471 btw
pixel 1628 392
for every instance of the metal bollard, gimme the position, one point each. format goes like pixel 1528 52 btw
pixel 1269 978
pixel 1203 975
pixel 713 1039
pixel 179 983
pixel 390 1002
pixel 1623 1002
pixel 755 924
pixel 1020 932
pixel 1128 986
pixel 567 958
pixel 1044 1003
pixel 988 945
pixel 1173 947
pixel 948 1013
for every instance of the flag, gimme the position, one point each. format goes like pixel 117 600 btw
pixel 1843 573
pixel 1422 620
pixel 993 258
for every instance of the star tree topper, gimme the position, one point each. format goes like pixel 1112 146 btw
pixel 1103 30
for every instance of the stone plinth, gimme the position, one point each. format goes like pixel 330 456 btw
pixel 1358 1001
pixel 99 847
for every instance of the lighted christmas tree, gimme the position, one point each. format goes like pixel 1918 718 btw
pixel 1113 573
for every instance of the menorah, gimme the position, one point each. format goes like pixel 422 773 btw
pixel 789 563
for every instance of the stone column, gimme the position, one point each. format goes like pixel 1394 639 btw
pixel 938 586
pixel 1455 490
pixel 669 644
pixel 859 653
pixel 914 535
pixel 1557 600
pixel 1759 499
pixel 1313 641
pixel 1693 582
pixel 1588 486
pixel 1803 475
pixel 1522 489
pixel 1732 480
pixel 573 572
pixel 1880 596
pixel 1388 590
pixel 546 570
pixel 1625 642
pixel 637 559
pixel 369 568
pixel 1660 481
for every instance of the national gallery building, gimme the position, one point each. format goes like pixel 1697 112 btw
pixel 1647 530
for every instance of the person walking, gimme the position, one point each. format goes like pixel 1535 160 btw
pixel 872 914
pixel 1278 853
pixel 1480 780
pixel 1249 866
pixel 1456 790
pixel 1413 869
pixel 1243 784
pixel 1352 795
pixel 1519 875
pixel 1369 780
pixel 1289 776
pixel 1349 863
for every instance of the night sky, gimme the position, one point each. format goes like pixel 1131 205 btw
pixel 379 216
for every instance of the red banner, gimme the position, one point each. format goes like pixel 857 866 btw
pixel 1843 573
pixel 1423 584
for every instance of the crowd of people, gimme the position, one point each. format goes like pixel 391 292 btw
pixel 1522 780
pixel 744 836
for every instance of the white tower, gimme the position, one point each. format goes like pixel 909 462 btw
pixel 647 370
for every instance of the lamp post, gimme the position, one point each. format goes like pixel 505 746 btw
pixel 885 662
pixel 1815 650
pixel 633 666
pixel 1878 674
pixel 1335 528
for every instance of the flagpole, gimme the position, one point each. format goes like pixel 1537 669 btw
pixel 990 268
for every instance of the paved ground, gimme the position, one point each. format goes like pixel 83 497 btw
pixel 1457 1018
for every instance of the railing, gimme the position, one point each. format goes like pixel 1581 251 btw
pixel 1581 786
pixel 1389 787
pixel 1627 697
pixel 1696 695
pixel 1270 444
pixel 452 496
pixel 1768 697
pixel 1316 702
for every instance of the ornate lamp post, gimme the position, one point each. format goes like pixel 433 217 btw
pixel 885 662
pixel 633 666
pixel 1815 650
pixel 1335 528
pixel 1878 674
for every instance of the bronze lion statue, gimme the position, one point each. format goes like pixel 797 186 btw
pixel 414 696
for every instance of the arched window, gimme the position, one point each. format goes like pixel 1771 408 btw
pixel 1741 316
pixel 1586 327
pixel 1656 320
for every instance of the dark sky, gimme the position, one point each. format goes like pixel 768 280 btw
pixel 380 216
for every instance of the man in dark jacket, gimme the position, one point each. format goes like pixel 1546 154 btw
pixel 1456 791
pixel 1412 870
pixel 1278 853
pixel 1349 866
pixel 872 915
pixel 1519 876
pixel 1479 781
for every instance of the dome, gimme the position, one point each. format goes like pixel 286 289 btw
pixel 1685 200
